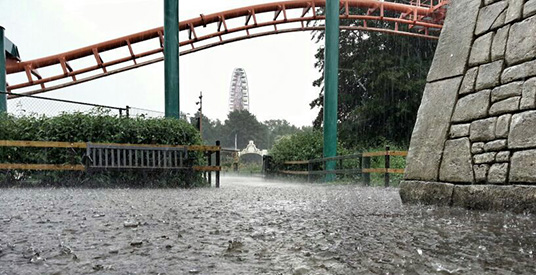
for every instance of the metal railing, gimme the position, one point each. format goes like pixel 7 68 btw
pixel 113 156
pixel 362 166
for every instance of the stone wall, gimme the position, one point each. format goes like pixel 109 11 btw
pixel 474 142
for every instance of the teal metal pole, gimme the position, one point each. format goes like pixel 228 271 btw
pixel 331 84
pixel 171 58
pixel 3 97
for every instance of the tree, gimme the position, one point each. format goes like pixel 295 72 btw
pixel 381 80
pixel 245 127
pixel 278 128
pixel 212 130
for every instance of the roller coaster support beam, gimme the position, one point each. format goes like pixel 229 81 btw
pixel 331 84
pixel 3 88
pixel 171 58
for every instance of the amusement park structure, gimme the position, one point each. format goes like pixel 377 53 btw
pixel 239 91
pixel 418 18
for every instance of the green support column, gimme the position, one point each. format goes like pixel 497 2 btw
pixel 331 84
pixel 171 58
pixel 3 97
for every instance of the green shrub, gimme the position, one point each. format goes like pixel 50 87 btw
pixel 306 145
pixel 396 162
pixel 301 146
pixel 309 145
pixel 95 127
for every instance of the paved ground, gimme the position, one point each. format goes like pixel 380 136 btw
pixel 251 226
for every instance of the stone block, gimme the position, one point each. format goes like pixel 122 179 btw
pixel 477 148
pixel 498 173
pixel 505 106
pixel 500 20
pixel 499 43
pixel 483 130
pixel 506 91
pixel 481 172
pixel 523 167
pixel 529 9
pixel 431 129
pixel 481 50
pixel 488 75
pixel 487 2
pixel 522 131
pixel 484 158
pixel 503 126
pixel 518 199
pixel 471 107
pixel 528 98
pixel 456 165
pixel 521 71
pixel 430 193
pixel 468 83
pixel 495 145
pixel 521 45
pixel 459 130
pixel 515 10
pixel 503 156
pixel 455 41
pixel 490 16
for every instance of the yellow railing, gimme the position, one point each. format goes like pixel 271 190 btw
pixel 83 145
pixel 364 165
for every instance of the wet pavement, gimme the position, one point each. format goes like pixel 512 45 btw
pixel 252 226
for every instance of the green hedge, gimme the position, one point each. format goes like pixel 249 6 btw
pixel 305 145
pixel 92 127
pixel 309 145
pixel 396 162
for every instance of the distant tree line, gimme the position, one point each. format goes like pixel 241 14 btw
pixel 245 127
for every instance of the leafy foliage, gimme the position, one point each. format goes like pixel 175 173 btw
pixel 95 127
pixel 304 145
pixel 98 127
pixel 396 162
pixel 211 129
pixel 278 128
pixel 245 126
pixel 381 80
pixel 301 146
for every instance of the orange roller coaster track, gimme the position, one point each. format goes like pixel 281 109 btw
pixel 418 18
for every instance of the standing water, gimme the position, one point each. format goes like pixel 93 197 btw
pixel 252 226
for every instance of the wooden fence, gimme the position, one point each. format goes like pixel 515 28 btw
pixel 362 168
pixel 114 156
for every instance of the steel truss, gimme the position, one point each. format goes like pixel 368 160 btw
pixel 418 18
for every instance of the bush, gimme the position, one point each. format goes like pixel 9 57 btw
pixel 95 127
pixel 301 146
pixel 396 162
pixel 309 145
pixel 305 145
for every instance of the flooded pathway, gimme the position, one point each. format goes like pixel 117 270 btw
pixel 251 226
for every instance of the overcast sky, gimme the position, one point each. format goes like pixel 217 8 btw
pixel 279 68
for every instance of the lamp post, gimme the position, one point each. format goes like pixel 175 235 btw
pixel 200 111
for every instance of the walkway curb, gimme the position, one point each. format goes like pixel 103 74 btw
pixel 514 198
